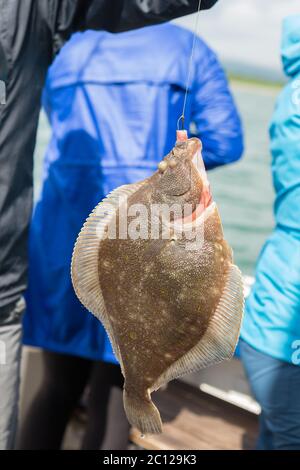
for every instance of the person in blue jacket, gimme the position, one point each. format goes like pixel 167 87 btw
pixel 129 88
pixel 271 331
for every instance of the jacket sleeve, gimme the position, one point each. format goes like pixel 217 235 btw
pixel 132 14
pixel 67 16
pixel 214 113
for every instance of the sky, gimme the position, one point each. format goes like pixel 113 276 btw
pixel 246 33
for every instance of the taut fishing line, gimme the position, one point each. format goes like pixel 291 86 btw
pixel 181 118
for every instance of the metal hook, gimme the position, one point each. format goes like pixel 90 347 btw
pixel 180 119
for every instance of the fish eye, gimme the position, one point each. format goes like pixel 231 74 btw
pixel 162 166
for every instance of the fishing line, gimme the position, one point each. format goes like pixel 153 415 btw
pixel 181 118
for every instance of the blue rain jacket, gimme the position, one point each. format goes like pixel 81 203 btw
pixel 272 319
pixel 113 101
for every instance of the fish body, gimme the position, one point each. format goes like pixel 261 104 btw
pixel 165 288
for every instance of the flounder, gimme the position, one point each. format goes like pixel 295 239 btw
pixel 171 304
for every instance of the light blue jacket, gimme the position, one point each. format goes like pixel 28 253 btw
pixel 113 101
pixel 272 319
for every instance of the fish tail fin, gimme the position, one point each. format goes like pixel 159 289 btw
pixel 142 413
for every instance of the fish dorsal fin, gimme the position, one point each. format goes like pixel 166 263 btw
pixel 85 259
pixel 220 339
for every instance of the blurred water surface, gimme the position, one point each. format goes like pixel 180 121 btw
pixel 243 190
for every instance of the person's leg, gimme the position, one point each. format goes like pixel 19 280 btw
pixel 275 385
pixel 10 355
pixel 107 427
pixel 264 441
pixel 65 378
pixel 24 60
pixel 285 421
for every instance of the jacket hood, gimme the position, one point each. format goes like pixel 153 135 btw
pixel 290 46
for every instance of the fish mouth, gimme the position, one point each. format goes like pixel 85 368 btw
pixel 197 159
pixel 196 219
pixel 200 213
pixel 206 196
pixel 194 146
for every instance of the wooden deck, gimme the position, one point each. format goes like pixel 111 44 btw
pixel 195 420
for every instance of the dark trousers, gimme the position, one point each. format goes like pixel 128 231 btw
pixel 65 378
pixel 276 386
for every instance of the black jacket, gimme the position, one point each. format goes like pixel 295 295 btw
pixel 120 15
pixel 114 15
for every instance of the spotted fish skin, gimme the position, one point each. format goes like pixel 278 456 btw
pixel 168 310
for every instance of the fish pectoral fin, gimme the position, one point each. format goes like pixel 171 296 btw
pixel 220 339
pixel 85 259
pixel 142 413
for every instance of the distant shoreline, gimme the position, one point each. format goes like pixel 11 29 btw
pixel 254 82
